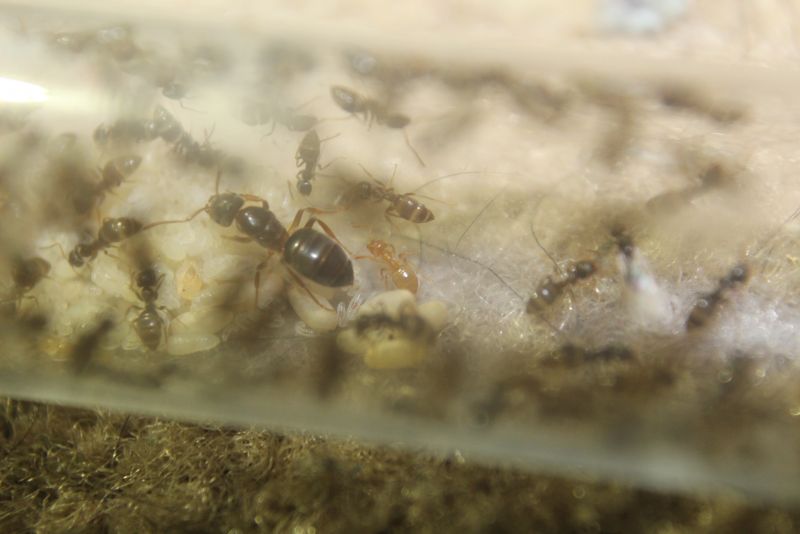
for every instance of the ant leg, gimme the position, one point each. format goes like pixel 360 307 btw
pixel 413 150
pixel 257 279
pixel 299 216
pixel 327 230
pixel 237 238
pixel 385 277
pixel 271 130
pixel 175 221
pixel 299 282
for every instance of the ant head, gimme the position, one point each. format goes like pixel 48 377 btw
pixel 147 278
pixel 583 269
pixel 222 208
pixel 76 256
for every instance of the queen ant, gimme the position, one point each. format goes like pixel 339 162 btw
pixel 306 252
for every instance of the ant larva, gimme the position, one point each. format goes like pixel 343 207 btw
pixel 307 160
pixel 708 305
pixel 373 111
pixel 306 252
pixel 149 325
pixel 394 267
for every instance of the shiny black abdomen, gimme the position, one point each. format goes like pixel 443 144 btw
pixel 149 326
pixel 318 258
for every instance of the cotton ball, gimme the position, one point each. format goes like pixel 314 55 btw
pixel 639 16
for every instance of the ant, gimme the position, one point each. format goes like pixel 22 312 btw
pixel 112 231
pixel 396 267
pixel 549 291
pixel 708 304
pixel 307 159
pixel 112 175
pixel 318 257
pixel 166 126
pixel 405 205
pixel 373 111
pixel 149 325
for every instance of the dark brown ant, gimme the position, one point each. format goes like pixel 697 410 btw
pixel 167 127
pixel 318 257
pixel 149 325
pixel 401 205
pixel 373 111
pixel 122 132
pixel 707 305
pixel 112 231
pixel 307 159
pixel 86 194
pixel 550 290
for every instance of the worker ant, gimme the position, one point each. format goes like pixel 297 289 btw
pixel 149 325
pixel 401 205
pixel 708 305
pixel 550 290
pixel 86 194
pixel 111 232
pixel 307 160
pixel 395 268
pixel 373 111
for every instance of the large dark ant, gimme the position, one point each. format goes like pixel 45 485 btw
pixel 318 257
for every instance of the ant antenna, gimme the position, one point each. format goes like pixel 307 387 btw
pixel 536 238
pixel 486 207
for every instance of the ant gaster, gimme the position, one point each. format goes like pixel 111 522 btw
pixel 149 325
